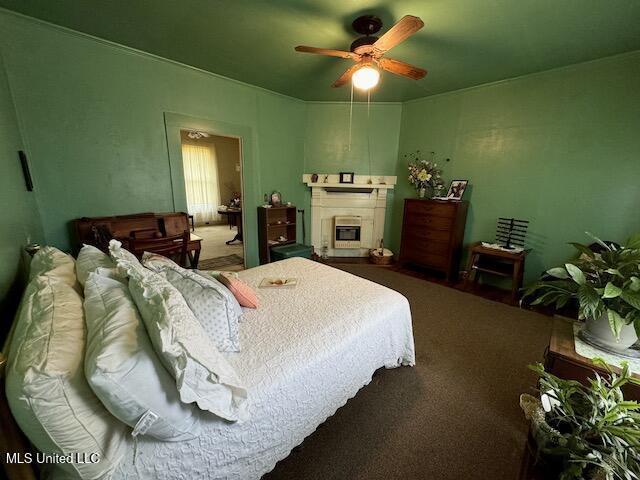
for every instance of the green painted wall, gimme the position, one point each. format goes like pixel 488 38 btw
pixel 375 130
pixel 93 116
pixel 19 217
pixel 560 148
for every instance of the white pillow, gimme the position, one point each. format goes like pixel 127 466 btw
pixel 202 374
pixel 54 263
pixel 46 388
pixel 161 262
pixel 212 303
pixel 112 273
pixel 118 253
pixel 124 370
pixel 89 259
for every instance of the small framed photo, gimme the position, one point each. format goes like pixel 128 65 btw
pixel 276 199
pixel 456 189
pixel 346 177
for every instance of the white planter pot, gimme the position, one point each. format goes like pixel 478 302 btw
pixel 601 331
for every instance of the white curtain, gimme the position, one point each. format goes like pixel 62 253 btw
pixel 201 182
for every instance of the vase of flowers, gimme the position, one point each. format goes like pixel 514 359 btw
pixel 424 174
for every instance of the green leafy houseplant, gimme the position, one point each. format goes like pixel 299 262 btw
pixel 607 282
pixel 588 432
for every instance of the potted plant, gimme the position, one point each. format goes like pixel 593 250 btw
pixel 606 286
pixel 424 174
pixel 585 432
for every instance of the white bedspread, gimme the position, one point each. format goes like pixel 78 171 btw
pixel 305 352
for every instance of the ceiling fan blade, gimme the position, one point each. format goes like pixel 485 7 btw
pixel 401 68
pixel 346 76
pixel 407 26
pixel 328 52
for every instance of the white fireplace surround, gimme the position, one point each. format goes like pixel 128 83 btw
pixel 362 199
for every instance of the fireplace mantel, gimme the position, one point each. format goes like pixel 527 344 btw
pixel 360 181
pixel 361 198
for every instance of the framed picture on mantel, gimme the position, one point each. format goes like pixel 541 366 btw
pixel 346 177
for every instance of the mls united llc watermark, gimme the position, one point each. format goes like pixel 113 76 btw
pixel 75 457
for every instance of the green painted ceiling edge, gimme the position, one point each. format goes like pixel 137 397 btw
pixel 142 53
pixel 564 68
pixel 465 43
pixel 136 51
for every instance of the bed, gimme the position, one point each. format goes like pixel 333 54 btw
pixel 305 352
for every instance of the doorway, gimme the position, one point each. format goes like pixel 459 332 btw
pixel 212 169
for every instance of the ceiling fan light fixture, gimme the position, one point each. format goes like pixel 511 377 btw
pixel 366 78
pixel 370 50
pixel 195 135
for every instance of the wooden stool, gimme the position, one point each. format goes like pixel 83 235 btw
pixel 496 262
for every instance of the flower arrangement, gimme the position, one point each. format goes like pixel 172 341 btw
pixel 424 173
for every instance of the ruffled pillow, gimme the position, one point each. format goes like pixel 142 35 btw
pixel 118 253
pixel 202 374
pixel 123 369
pixel 89 260
pixel 214 306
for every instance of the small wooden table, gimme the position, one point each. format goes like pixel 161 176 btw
pixel 234 217
pixel 562 360
pixel 496 262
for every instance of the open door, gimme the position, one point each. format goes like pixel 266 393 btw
pixel 212 169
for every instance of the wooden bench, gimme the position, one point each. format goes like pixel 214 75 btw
pixel 98 231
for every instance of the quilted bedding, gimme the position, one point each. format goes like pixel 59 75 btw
pixel 304 353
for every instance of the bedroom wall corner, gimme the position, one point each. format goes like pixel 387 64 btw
pixel 19 216
pixel 371 148
pixel 93 116
pixel 559 148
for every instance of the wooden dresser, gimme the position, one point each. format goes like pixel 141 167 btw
pixel 432 233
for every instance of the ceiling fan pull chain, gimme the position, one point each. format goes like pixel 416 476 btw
pixel 369 130
pixel 350 115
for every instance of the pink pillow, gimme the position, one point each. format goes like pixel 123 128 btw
pixel 243 292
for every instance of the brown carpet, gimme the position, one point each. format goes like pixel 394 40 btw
pixel 219 262
pixel 455 415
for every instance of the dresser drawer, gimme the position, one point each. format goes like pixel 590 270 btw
pixel 430 208
pixel 420 244
pixel 426 258
pixel 428 223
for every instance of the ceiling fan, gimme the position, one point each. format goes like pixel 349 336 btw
pixel 368 51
